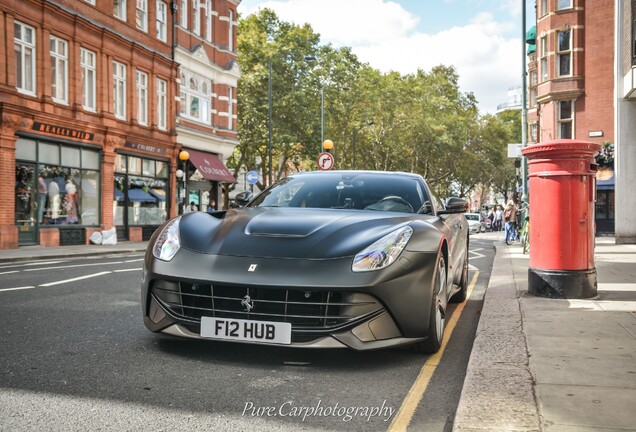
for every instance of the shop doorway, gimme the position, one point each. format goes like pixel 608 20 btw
pixel 29 203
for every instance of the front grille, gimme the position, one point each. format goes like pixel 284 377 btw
pixel 304 309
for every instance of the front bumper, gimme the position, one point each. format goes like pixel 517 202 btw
pixel 372 310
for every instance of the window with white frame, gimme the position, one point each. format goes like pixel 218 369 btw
pixel 565 119
pixel 141 18
pixel 119 90
pixel 59 69
pixel 119 9
pixel 87 65
pixel 564 53
pixel 544 58
pixel 230 27
pixel 196 17
pixel 230 107
pixel 544 8
pixel 162 18
pixel 208 21
pixel 142 97
pixel 24 48
pixel 90 1
pixel 162 98
pixel 564 4
pixel 195 97
pixel 183 14
pixel 533 89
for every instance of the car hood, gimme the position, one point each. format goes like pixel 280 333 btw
pixel 302 233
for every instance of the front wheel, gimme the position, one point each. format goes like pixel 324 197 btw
pixel 437 319
pixel 509 236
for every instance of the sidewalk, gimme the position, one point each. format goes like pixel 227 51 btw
pixel 38 252
pixel 541 364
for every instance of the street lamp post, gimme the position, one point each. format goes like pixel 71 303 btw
pixel 269 124
pixel 184 156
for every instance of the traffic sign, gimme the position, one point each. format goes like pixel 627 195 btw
pixel 325 161
pixel 251 177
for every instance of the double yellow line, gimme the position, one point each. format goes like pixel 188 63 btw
pixel 404 416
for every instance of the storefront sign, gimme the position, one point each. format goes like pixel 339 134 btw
pixel 66 132
pixel 146 148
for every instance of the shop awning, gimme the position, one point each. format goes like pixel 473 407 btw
pixel 158 193
pixel 138 195
pixel 210 166
pixel 119 195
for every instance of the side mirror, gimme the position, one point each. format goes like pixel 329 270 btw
pixel 243 198
pixel 455 205
pixel 427 208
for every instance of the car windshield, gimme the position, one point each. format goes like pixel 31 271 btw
pixel 348 190
pixel 472 217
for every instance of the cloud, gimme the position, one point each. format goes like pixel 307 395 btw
pixel 384 34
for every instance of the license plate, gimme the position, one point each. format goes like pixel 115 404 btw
pixel 246 330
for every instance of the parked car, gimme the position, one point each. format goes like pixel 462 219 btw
pixel 476 223
pixel 357 259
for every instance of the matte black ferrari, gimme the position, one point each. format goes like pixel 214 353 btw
pixel 334 259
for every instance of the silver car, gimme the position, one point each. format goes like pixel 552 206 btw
pixel 476 223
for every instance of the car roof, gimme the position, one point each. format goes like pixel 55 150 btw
pixel 390 173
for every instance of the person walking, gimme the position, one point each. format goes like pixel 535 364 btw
pixel 498 218
pixel 491 218
pixel 510 219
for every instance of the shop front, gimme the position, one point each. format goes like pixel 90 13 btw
pixel 57 190
pixel 604 216
pixel 141 195
pixel 205 173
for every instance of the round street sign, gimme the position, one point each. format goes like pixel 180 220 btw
pixel 251 177
pixel 325 161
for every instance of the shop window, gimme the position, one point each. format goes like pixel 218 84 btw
pixel 49 153
pixel 120 163
pixel 24 47
pixel 71 156
pixel 134 165
pixel 148 167
pixel 25 149
pixel 161 169
pixel 90 159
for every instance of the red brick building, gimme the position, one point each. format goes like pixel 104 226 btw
pixel 205 48
pixel 571 78
pixel 89 103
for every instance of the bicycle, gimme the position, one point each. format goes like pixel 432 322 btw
pixel 525 235
pixel 512 234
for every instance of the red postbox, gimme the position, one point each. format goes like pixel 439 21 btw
pixel 562 184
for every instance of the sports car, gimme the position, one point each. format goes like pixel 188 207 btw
pixel 326 259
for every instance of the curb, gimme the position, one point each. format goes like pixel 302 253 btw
pixel 64 254
pixel 498 392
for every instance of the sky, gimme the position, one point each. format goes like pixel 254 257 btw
pixel 480 38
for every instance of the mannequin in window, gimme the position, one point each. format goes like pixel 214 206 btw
pixel 54 201
pixel 42 191
pixel 71 202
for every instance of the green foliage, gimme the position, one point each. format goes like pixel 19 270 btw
pixel 420 122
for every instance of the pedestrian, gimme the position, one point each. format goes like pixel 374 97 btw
pixel 498 218
pixel 193 207
pixel 491 218
pixel 510 217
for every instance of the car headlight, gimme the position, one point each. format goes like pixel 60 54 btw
pixel 167 243
pixel 383 252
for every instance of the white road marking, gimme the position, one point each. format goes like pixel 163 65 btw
pixel 29 264
pixel 75 279
pixel 9 272
pixel 74 266
pixel 135 260
pixel 127 270
pixel 18 288
pixel 472 267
